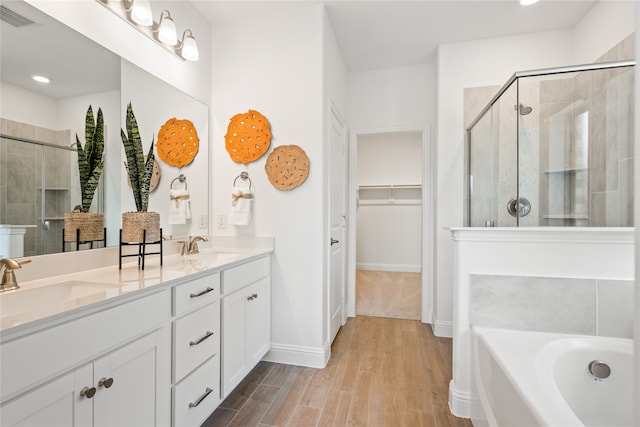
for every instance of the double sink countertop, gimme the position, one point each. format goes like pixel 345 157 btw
pixel 43 302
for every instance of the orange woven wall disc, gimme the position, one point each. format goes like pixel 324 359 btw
pixel 178 142
pixel 248 137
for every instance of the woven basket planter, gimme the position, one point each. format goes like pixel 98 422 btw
pixel 133 224
pixel 90 224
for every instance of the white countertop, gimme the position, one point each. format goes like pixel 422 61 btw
pixel 40 302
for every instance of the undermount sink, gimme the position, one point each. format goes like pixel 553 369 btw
pixel 24 304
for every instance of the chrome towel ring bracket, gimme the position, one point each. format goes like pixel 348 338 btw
pixel 181 178
pixel 243 176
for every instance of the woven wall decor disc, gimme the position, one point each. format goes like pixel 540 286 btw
pixel 248 136
pixel 287 167
pixel 178 142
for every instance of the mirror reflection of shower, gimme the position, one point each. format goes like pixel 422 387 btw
pixel 523 109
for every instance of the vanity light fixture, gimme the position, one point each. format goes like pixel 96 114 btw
pixel 166 29
pixel 188 47
pixel 139 15
pixel 140 12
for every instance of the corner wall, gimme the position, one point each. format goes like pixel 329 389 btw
pixel 274 64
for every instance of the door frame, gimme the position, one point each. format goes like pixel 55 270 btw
pixel 428 217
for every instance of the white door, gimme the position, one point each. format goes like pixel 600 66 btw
pixel 337 287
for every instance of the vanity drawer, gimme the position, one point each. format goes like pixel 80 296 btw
pixel 238 277
pixel 196 337
pixel 198 395
pixel 196 293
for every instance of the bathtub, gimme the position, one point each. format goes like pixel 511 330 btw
pixel 525 378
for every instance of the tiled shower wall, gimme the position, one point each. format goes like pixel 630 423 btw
pixel 21 183
pixel 551 304
pixel 589 186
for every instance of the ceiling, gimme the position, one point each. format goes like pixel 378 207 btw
pixel 387 34
pixel 372 35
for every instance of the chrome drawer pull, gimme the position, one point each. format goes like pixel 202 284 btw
pixel 252 297
pixel 199 294
pixel 201 398
pixel 207 335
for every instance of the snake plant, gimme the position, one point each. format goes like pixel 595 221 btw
pixel 90 159
pixel 140 172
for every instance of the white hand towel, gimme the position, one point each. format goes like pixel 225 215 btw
pixel 240 213
pixel 180 207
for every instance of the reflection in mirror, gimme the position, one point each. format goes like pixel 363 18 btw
pixel 154 103
pixel 82 73
pixel 39 122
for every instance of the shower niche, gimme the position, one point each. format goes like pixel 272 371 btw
pixel 556 144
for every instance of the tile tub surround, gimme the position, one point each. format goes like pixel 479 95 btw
pixel 553 304
pixel 569 252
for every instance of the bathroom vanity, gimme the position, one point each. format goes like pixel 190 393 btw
pixel 112 347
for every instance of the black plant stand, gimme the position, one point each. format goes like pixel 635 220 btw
pixel 142 249
pixel 82 242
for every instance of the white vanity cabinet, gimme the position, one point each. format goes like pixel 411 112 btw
pixel 119 378
pixel 246 319
pixel 196 350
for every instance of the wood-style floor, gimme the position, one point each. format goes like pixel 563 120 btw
pixel 382 372
pixel 388 294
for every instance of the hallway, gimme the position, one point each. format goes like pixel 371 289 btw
pixel 382 372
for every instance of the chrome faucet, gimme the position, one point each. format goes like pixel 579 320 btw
pixel 8 277
pixel 193 245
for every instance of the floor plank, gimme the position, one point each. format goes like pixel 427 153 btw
pixel 383 372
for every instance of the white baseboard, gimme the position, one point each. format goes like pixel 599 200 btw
pixel 403 268
pixel 311 357
pixel 459 401
pixel 442 328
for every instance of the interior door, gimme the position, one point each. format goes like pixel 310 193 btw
pixel 337 287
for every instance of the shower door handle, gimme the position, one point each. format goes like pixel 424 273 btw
pixel 519 206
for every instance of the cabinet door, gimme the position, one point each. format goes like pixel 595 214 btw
pixel 126 384
pixel 258 321
pixel 234 350
pixel 57 403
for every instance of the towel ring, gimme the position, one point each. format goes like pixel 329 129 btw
pixel 243 176
pixel 180 178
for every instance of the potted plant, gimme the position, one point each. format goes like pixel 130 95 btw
pixel 81 224
pixel 140 171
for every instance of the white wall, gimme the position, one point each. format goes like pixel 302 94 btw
pixel 392 98
pixel 603 26
pixel 274 64
pixel 24 106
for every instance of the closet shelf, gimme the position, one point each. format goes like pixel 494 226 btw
pixel 392 194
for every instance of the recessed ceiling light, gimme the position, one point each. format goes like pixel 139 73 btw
pixel 41 79
pixel 527 2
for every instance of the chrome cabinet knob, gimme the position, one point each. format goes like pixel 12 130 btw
pixel 88 392
pixel 105 382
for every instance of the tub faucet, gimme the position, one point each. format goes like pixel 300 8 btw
pixel 8 277
pixel 193 245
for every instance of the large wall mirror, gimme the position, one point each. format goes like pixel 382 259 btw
pixel 38 171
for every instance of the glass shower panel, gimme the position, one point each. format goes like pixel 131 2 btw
pixel 20 179
pixel 56 197
pixel 483 174
pixel 505 122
